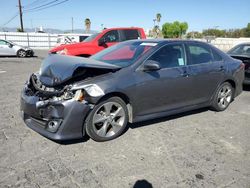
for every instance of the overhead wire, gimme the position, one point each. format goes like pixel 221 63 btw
pixel 12 18
pixel 34 2
pixel 34 9
pixel 41 6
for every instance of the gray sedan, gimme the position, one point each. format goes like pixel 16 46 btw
pixel 242 52
pixel 8 48
pixel 133 81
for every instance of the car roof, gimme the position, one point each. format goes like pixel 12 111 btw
pixel 160 41
pixel 244 43
pixel 121 28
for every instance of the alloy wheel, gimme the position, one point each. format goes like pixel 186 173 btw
pixel 224 96
pixel 108 119
pixel 21 53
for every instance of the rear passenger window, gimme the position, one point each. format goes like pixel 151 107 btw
pixel 199 54
pixel 170 56
pixel 217 57
pixel 131 34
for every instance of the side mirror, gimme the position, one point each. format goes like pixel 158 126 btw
pixel 10 45
pixel 151 65
pixel 101 42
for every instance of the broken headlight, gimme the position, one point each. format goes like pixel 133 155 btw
pixel 92 90
pixel 68 95
pixel 78 92
pixel 77 95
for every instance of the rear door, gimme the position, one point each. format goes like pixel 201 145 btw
pixel 206 70
pixel 130 34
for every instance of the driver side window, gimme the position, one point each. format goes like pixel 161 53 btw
pixel 169 56
pixel 111 36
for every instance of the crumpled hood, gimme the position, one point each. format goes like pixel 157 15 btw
pixel 57 69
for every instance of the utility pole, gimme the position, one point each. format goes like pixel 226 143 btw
pixel 72 24
pixel 21 14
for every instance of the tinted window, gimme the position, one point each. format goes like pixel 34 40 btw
pixel 2 42
pixel 124 54
pixel 82 38
pixel 199 54
pixel 92 37
pixel 131 34
pixel 170 56
pixel 217 56
pixel 111 36
pixel 241 50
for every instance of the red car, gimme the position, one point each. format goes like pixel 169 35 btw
pixel 100 41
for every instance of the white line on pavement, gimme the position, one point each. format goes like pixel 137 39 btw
pixel 1 71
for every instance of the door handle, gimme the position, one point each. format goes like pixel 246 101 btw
pixel 222 68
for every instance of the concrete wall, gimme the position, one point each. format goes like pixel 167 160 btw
pixel 226 43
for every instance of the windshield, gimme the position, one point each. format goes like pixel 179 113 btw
pixel 240 50
pixel 124 54
pixel 90 38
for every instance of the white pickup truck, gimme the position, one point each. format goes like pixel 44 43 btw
pixel 71 38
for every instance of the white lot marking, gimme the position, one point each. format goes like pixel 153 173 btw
pixel 2 71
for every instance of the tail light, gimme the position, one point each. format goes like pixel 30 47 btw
pixel 242 65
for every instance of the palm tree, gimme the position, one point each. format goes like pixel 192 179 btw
pixel 87 25
pixel 158 18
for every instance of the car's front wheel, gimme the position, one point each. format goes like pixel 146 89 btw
pixel 107 120
pixel 21 53
pixel 223 97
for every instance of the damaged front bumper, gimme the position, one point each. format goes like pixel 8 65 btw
pixel 56 120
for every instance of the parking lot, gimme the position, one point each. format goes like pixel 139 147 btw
pixel 201 148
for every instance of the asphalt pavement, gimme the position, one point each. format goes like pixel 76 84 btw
pixel 201 148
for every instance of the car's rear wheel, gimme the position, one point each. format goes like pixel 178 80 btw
pixel 107 120
pixel 21 53
pixel 223 97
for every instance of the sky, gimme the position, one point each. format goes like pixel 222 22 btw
pixel 199 14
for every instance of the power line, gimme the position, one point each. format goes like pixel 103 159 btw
pixel 12 18
pixel 40 6
pixel 38 9
pixel 32 3
pixel 48 5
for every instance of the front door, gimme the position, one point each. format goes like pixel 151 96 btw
pixel 110 38
pixel 164 89
pixel 6 48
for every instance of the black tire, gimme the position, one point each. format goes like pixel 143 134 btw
pixel 222 100
pixel 21 53
pixel 31 54
pixel 112 132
